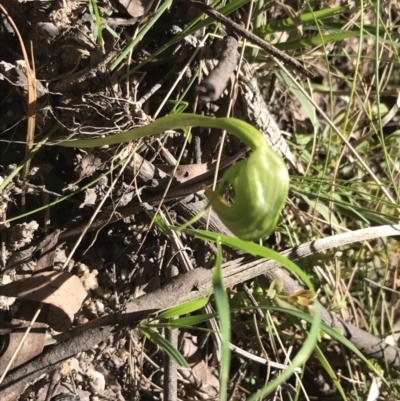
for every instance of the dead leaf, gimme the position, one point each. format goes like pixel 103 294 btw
pixel 135 8
pixel 185 172
pixel 62 291
pixel 34 342
pixel 203 372
pixel 189 345
pixel 32 346
pixel 201 376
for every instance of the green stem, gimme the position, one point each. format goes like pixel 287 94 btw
pixel 245 132
pixel 260 183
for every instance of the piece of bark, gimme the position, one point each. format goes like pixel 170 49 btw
pixel 211 88
pixel 250 106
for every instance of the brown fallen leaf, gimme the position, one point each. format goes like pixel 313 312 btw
pixel 15 355
pixel 135 8
pixel 32 346
pixel 62 292
pixel 185 172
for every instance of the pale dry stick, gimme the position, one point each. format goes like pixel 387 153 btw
pixel 16 352
pixel 97 211
pixel 352 381
pixel 114 281
pixel 258 359
pixel 177 245
pixel 161 256
pixel 375 284
pixel 337 131
pixel 217 164
pixel 160 389
pixel 270 364
pixel 347 292
pixel 275 330
pixel 332 281
pixel 235 382
pixel 393 298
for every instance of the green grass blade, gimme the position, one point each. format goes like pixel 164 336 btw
pixel 328 369
pixel 223 310
pixel 289 24
pixel 168 348
pixel 316 40
pixel 187 307
pixel 187 321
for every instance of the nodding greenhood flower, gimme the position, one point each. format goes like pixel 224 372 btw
pixel 260 183
pixel 260 186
